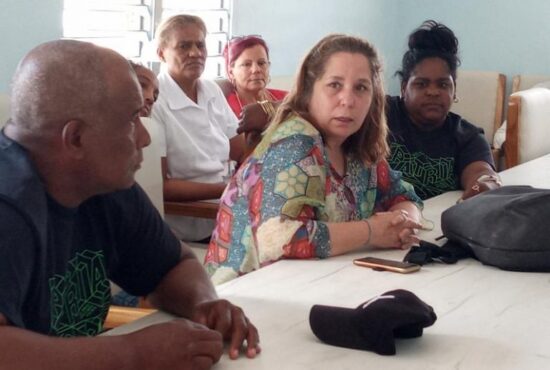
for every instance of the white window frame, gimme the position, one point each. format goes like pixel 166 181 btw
pixel 147 15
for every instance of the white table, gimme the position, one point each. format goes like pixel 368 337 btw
pixel 487 318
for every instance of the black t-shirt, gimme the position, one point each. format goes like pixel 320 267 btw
pixel 432 161
pixel 56 262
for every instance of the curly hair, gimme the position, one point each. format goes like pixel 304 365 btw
pixel 431 39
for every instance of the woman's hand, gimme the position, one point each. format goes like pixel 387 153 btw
pixel 394 229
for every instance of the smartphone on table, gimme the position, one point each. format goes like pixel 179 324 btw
pixel 389 265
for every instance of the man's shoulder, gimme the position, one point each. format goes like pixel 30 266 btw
pixel 211 89
pixel 21 189
pixel 20 180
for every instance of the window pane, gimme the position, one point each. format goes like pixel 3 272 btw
pixel 100 4
pixel 123 45
pixel 195 4
pixel 216 20
pixel 84 21
pixel 123 25
pixel 215 43
pixel 215 67
pixel 126 25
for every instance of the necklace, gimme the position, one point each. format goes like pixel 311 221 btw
pixel 266 95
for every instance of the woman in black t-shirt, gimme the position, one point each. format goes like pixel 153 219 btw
pixel 436 150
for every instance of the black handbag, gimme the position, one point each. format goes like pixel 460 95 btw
pixel 506 227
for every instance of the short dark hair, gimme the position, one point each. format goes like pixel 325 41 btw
pixel 430 40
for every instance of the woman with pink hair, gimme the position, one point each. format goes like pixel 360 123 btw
pixel 247 65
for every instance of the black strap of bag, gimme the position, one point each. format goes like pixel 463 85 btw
pixel 428 252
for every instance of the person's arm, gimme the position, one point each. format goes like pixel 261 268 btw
pixel 478 177
pixel 187 291
pixel 151 261
pixel 394 194
pixel 180 296
pixel 177 190
pixel 475 163
pixel 174 345
pixel 393 229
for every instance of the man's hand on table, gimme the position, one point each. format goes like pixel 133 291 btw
pixel 231 322
pixel 179 344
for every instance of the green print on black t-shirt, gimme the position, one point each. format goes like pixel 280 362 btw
pixel 428 175
pixel 80 299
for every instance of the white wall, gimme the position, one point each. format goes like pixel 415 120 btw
pixel 23 25
pixel 291 27
pixel 510 36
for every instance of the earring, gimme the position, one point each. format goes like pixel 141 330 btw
pixel 455 99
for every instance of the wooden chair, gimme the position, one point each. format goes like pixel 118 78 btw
pixel 119 315
pixel 4 109
pixel 524 82
pixel 528 126
pixel 481 101
pixel 225 85
pixel 202 209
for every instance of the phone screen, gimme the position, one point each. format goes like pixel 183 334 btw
pixel 389 265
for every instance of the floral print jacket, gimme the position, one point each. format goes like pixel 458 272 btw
pixel 279 201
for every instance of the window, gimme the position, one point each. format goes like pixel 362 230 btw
pixel 122 25
pixel 127 26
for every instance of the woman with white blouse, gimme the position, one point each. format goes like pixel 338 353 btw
pixel 199 127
